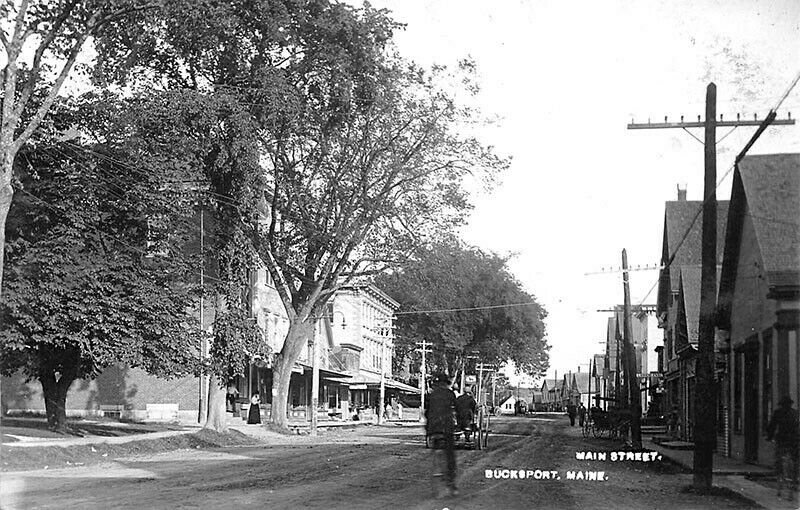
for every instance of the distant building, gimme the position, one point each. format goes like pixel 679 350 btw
pixel 677 303
pixel 508 405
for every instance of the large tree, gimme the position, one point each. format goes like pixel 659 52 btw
pixel 484 310
pixel 364 156
pixel 368 165
pixel 93 277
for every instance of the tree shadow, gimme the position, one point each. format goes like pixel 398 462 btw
pixel 110 389
pixel 17 392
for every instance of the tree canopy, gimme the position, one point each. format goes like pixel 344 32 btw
pixel 484 310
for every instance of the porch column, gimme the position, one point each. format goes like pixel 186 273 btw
pixel 787 352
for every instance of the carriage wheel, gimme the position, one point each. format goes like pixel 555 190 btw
pixel 597 431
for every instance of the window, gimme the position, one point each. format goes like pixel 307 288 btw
pixel 766 373
pixel 268 278
pixel 670 349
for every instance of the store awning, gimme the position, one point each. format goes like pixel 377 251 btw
pixel 366 380
pixel 326 373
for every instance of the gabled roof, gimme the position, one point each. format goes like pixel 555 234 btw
pixel 690 279
pixel 766 192
pixel 527 394
pixel 551 383
pixel 678 217
pixel 772 194
pixel 582 382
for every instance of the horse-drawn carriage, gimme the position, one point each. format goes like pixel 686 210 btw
pixel 612 423
pixel 477 432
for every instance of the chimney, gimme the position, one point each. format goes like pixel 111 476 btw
pixel 681 194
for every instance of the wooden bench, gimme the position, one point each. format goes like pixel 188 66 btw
pixel 162 412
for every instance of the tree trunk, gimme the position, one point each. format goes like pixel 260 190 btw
pixel 6 194
pixel 296 338
pixel 55 400
pixel 217 418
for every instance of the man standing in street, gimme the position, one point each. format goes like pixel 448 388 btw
pixel 581 414
pixel 439 426
pixel 784 428
pixel 571 411
pixel 465 412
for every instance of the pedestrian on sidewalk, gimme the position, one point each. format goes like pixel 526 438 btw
pixel 254 413
pixel 672 422
pixel 440 420
pixel 232 394
pixel 784 429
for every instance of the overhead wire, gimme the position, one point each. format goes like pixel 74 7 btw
pixel 467 309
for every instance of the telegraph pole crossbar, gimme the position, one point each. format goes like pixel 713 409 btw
pixel 702 124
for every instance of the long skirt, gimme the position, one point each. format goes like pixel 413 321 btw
pixel 254 414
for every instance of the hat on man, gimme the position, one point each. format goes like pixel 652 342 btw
pixel 786 401
pixel 441 377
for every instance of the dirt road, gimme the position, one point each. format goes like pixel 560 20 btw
pixel 371 467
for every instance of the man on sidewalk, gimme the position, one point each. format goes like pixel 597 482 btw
pixel 784 428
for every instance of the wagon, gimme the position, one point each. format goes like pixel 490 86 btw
pixel 611 424
pixel 480 433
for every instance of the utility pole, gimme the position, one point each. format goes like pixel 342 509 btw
pixel 423 348
pixel 705 397
pixel 617 389
pixel 590 381
pixel 202 410
pixel 383 332
pixel 632 383
pixel 314 382
pixel 480 381
pixel 705 433
pixel 494 389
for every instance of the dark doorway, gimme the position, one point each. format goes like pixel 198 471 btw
pixel 751 405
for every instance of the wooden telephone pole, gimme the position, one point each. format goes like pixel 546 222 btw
pixel 705 397
pixel 424 349
pixel 632 377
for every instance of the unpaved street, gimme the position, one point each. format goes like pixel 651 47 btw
pixel 370 467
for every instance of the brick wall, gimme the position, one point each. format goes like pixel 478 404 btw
pixel 117 385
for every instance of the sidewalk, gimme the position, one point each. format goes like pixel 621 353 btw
pixel 730 473
pixel 28 442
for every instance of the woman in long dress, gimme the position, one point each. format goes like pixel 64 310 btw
pixel 254 413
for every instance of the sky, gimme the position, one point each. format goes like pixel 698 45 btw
pixel 564 78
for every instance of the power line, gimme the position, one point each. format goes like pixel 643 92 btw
pixel 446 310
pixel 219 197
